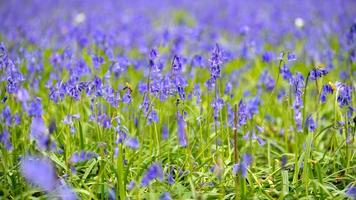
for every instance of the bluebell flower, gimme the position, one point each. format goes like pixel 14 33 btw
pixel 97 61
pixel 291 57
pixel 6 116
pixel 286 73
pixel 217 104
pixel 38 132
pixel 317 73
pixel 242 114
pixel 310 123
pixel 155 171
pixel 65 192
pixel 197 93
pixel 283 161
pixel 344 91
pixel 177 64
pixel 5 140
pixel 39 172
pixel 165 196
pixel 126 98
pixel 130 185
pixel 132 143
pixel 351 192
pixel 243 165
pixel 252 106
pixel 215 62
pixel 35 109
pixel 327 89
pixel 181 131
pixel 267 56
pixel 82 156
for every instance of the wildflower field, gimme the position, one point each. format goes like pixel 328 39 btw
pixel 177 99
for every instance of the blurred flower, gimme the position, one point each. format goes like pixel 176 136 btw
pixel 344 92
pixel 82 156
pixel 242 166
pixel 130 185
pixel 5 139
pixel 153 172
pixel 132 143
pixel 35 109
pixel 317 73
pixel 165 196
pixel 310 123
pixel 351 192
pixel 39 171
pixel 181 132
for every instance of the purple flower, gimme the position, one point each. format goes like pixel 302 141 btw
pixel 5 139
pixel 65 192
pixel 217 104
pixel 153 172
pixel 310 123
pixel 181 131
pixel 298 120
pixel 126 98
pixel 82 156
pixel 327 89
pixel 345 94
pixel 6 115
pixel 177 64
pixel 242 114
pixel 215 62
pixel 267 56
pixel 283 161
pixel 39 172
pixel 97 61
pixel 38 132
pixel 130 185
pixel 165 196
pixel 165 132
pixel 317 73
pixel 286 73
pixel 132 143
pixel 242 166
pixel 291 57
pixel 35 109
pixel 351 192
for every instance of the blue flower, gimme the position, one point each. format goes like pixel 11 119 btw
pixel 327 89
pixel 165 132
pixel 286 73
pixel 215 62
pixel 243 165
pixel 291 57
pixel 153 172
pixel 132 143
pixel 5 139
pixel 317 73
pixel 351 192
pixel 35 109
pixel 217 104
pixel 310 123
pixel 181 132
pixel 39 171
pixel 130 185
pixel 165 196
pixel 345 94
pixel 242 114
pixel 82 156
